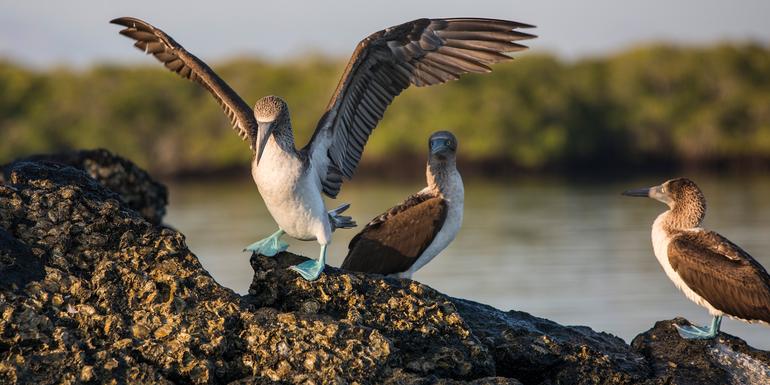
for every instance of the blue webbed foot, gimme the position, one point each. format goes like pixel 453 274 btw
pixel 269 246
pixel 311 270
pixel 692 332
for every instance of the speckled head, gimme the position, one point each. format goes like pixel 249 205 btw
pixel 270 108
pixel 682 196
pixel 679 192
pixel 272 116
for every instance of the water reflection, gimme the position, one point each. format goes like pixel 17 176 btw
pixel 574 252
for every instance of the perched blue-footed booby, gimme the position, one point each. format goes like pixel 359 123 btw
pixel 406 237
pixel 711 271
pixel 422 52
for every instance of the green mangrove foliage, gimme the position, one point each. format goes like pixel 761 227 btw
pixel 662 104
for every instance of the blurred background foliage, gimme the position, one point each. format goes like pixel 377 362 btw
pixel 652 106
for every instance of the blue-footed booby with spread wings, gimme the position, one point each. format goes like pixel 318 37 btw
pixel 406 237
pixel 422 52
pixel 709 269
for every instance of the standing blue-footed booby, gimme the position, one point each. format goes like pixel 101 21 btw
pixel 406 237
pixel 709 269
pixel 422 52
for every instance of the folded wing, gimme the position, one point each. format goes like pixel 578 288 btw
pixel 422 52
pixel 722 273
pixel 393 241
pixel 153 41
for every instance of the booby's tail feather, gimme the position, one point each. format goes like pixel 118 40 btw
pixel 341 221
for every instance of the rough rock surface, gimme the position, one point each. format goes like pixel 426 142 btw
pixel 724 360
pixel 536 350
pixel 92 292
pixel 438 335
pixel 135 187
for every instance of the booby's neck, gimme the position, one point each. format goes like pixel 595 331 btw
pixel 281 142
pixel 683 214
pixel 280 155
pixel 283 136
pixel 442 175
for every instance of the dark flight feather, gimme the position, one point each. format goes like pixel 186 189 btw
pixel 393 241
pixel 153 41
pixel 422 52
pixel 722 273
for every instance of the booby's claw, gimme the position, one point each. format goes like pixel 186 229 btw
pixel 310 270
pixel 269 246
pixel 341 221
pixel 692 332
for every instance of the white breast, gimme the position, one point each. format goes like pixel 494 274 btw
pixel 454 196
pixel 292 195
pixel 660 242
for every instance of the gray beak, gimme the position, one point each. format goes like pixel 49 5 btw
pixel 263 134
pixel 654 192
pixel 639 192
pixel 438 149
pixel 438 146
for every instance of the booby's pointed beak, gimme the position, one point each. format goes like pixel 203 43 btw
pixel 654 192
pixel 263 134
pixel 639 192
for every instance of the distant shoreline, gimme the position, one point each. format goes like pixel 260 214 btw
pixel 414 169
pixel 661 108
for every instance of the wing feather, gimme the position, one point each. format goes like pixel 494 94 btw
pixel 153 41
pixel 422 52
pixel 393 241
pixel 722 273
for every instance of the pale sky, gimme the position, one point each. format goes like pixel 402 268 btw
pixel 77 32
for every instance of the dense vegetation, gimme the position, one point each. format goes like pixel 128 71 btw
pixel 661 104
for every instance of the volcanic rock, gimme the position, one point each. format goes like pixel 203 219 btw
pixel 94 291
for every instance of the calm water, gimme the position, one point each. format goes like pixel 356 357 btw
pixel 573 252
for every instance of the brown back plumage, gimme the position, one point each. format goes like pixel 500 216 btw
pixel 722 273
pixel 393 241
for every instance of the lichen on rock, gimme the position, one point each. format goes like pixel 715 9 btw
pixel 121 298
pixel 424 326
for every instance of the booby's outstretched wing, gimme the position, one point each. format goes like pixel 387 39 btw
pixel 153 41
pixel 722 273
pixel 385 247
pixel 422 52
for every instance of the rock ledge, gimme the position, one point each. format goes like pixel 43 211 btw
pixel 93 290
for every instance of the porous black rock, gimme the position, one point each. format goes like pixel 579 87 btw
pixel 134 185
pixel 18 264
pixel 91 292
pixel 435 334
pixel 723 360
pixel 116 297
pixel 539 351
pixel 423 326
